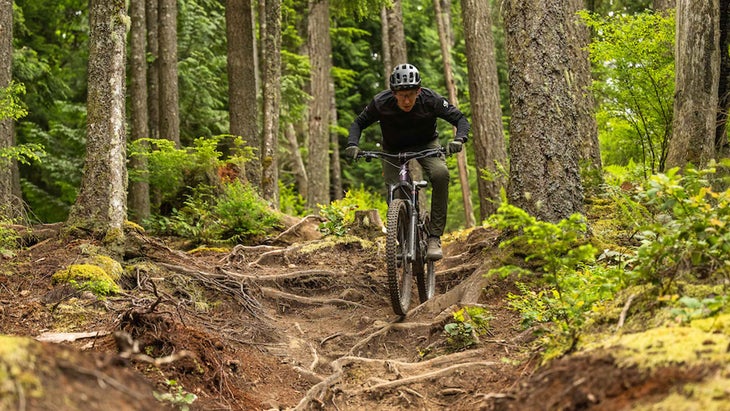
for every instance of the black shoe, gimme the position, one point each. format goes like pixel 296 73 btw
pixel 434 249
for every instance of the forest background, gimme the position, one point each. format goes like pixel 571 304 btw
pixel 212 114
pixel 598 140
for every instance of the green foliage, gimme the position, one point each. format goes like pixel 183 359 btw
pixel 689 233
pixel 11 108
pixel 633 62
pixel 50 187
pixel 559 250
pixel 340 214
pixel 294 77
pixel 335 215
pixel 291 202
pixel 557 247
pixel 10 105
pixel 358 9
pixel 9 238
pixel 171 170
pixel 470 322
pixel 243 214
pixel 692 308
pixel 176 396
pixel 237 215
pixel 24 154
pixel 202 69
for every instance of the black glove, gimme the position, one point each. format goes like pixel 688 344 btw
pixel 453 147
pixel 351 152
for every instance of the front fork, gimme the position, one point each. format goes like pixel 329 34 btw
pixel 412 200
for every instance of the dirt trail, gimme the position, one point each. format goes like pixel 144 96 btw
pixel 297 325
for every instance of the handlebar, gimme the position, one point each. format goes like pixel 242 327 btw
pixel 404 156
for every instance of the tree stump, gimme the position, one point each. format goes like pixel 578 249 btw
pixel 367 224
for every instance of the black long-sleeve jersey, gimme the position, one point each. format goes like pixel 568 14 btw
pixel 402 129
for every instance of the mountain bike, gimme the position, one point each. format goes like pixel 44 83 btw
pixel 407 231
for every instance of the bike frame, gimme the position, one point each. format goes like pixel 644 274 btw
pixel 406 245
pixel 408 187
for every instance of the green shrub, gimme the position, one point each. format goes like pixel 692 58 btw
pixel 470 322
pixel 291 202
pixel 340 214
pixel 9 239
pixel 243 214
pixel 689 234
pixel 174 172
pixel 567 289
pixel 236 215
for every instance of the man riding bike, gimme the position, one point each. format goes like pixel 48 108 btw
pixel 407 114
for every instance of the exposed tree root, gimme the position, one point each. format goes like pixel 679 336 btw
pixel 385 329
pixel 439 367
pixel 305 229
pixel 280 295
pixel 224 284
pixel 467 292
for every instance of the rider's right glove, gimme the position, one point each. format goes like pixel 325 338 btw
pixel 351 152
pixel 453 147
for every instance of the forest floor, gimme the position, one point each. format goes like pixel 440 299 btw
pixel 299 324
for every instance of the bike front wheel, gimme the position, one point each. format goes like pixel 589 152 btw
pixel 423 267
pixel 400 272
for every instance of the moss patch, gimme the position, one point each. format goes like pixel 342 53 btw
pixel 663 346
pixel 17 376
pixel 88 276
pixel 332 241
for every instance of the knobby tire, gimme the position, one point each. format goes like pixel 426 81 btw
pixel 423 267
pixel 400 272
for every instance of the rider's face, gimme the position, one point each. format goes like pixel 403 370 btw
pixel 406 99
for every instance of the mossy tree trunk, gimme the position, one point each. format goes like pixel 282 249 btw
pixel 139 191
pixel 697 79
pixel 10 204
pixel 169 95
pixel 101 206
pixel 490 151
pixel 320 60
pixel 271 50
pixel 544 131
pixel 242 82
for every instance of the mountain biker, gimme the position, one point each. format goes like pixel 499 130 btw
pixel 407 114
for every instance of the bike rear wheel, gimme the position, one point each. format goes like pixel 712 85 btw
pixel 400 272
pixel 423 267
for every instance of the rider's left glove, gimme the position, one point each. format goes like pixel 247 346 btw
pixel 453 147
pixel 351 152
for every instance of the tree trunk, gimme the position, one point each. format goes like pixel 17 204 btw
pixel 10 201
pixel 300 172
pixel 588 147
pixel 169 104
pixel 320 60
pixel 337 192
pixel 697 74
pixel 664 5
pixel 544 172
pixel 101 205
pixel 153 68
pixel 271 60
pixel 490 152
pixel 721 138
pixel 139 191
pixel 242 86
pixel 396 36
pixel 387 60
pixel 443 24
